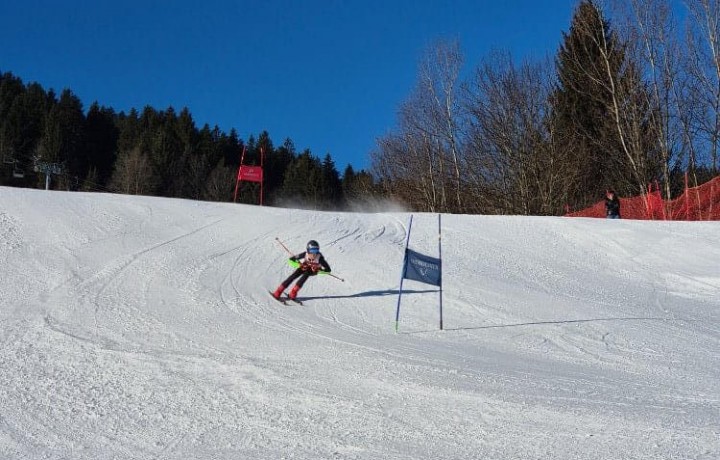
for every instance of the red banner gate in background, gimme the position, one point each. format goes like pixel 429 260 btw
pixel 250 173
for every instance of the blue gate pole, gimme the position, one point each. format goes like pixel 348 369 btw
pixel 441 277
pixel 402 275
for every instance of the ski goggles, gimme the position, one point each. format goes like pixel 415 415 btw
pixel 314 250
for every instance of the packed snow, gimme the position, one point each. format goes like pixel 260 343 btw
pixel 142 328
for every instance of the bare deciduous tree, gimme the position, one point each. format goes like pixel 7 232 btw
pixel 439 81
pixel 424 153
pixel 704 69
pixel 220 182
pixel 515 161
pixel 649 31
pixel 133 173
pixel 405 165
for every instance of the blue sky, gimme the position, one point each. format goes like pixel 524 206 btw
pixel 328 74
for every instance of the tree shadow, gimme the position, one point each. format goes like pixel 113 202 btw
pixel 543 323
pixel 387 292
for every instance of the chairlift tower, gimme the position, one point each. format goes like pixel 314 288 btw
pixel 48 169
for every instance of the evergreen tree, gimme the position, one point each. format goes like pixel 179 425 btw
pixel 188 167
pixel 35 103
pixel 331 184
pixel 62 140
pixel 303 181
pixel 50 146
pixel 11 89
pixel 590 63
pixel 101 141
pixel 12 137
pixel 20 131
pixel 348 183
pixel 231 147
pixel 73 130
pixel 129 131
pixel 276 163
pixel 264 144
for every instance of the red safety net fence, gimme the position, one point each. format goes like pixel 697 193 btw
pixel 697 203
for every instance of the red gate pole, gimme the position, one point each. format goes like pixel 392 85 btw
pixel 262 173
pixel 237 180
pixel 687 198
pixel 242 157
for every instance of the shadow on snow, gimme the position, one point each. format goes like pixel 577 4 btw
pixel 368 294
pixel 543 323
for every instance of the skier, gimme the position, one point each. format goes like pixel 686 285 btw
pixel 311 262
pixel 612 205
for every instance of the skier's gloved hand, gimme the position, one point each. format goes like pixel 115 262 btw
pixel 293 262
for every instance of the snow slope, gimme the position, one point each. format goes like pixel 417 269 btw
pixel 140 328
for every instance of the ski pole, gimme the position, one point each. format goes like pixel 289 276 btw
pixel 330 274
pixel 284 247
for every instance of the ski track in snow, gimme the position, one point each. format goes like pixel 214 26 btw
pixel 141 328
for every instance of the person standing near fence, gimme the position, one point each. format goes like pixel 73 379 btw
pixel 612 205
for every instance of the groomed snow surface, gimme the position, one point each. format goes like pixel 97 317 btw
pixel 141 328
